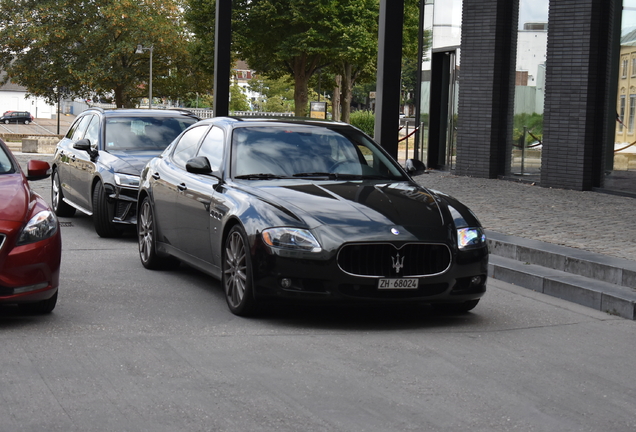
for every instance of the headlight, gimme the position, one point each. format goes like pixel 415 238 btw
pixel 470 238
pixel 126 180
pixel 41 226
pixel 291 238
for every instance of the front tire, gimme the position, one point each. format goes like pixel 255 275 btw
pixel 57 198
pixel 101 214
pixel 237 273
pixel 147 235
pixel 458 308
pixel 41 307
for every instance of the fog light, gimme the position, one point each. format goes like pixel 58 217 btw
pixel 286 283
pixel 475 281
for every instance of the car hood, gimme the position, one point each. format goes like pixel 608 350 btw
pixel 365 209
pixel 14 197
pixel 129 162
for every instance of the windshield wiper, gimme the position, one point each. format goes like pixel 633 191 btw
pixel 317 174
pixel 261 176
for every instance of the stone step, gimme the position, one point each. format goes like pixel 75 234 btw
pixel 569 260
pixel 613 299
pixel 601 282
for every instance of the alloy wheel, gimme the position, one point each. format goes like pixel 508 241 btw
pixel 235 269
pixel 145 231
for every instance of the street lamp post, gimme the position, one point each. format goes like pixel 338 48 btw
pixel 140 50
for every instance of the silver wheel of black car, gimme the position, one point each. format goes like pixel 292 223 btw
pixel 237 273
pixel 146 233
pixel 102 219
pixel 57 198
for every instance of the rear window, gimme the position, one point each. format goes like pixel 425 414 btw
pixel 143 133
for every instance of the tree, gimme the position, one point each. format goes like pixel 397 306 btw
pixel 357 48
pixel 238 100
pixel 88 47
pixel 279 37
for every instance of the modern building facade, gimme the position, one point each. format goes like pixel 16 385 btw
pixel 565 66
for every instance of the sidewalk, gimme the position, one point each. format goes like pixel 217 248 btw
pixel 592 221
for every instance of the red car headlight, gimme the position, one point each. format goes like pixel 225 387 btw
pixel 41 226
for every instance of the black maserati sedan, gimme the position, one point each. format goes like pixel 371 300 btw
pixel 96 165
pixel 306 210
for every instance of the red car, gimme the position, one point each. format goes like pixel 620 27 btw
pixel 30 242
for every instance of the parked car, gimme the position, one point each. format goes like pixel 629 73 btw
pixel 16 117
pixel 96 165
pixel 30 242
pixel 306 210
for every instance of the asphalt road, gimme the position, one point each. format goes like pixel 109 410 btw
pixel 129 349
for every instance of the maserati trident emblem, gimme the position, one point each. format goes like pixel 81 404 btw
pixel 397 263
pixel 395 231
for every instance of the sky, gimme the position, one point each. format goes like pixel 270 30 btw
pixel 532 11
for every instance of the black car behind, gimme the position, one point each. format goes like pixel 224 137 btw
pixel 96 165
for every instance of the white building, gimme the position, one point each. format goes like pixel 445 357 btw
pixel 14 98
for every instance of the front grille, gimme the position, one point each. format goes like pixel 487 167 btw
pixel 389 261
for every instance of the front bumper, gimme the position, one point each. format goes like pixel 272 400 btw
pixel 30 273
pixel 277 276
pixel 124 205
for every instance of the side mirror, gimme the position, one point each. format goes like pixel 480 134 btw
pixel 415 167
pixel 83 144
pixel 199 165
pixel 38 170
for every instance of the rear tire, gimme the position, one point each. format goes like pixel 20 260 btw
pixel 57 198
pixel 101 216
pixel 237 273
pixel 26 122
pixel 41 307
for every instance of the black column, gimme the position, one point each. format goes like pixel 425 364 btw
pixel 222 57
pixel 580 110
pixel 486 86
pixel 388 77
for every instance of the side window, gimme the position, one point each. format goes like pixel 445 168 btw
pixel 212 148
pixel 92 133
pixel 81 128
pixel 187 146
pixel 73 128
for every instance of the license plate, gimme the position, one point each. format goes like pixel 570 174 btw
pixel 402 283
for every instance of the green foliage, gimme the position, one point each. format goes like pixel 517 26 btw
pixel 364 120
pixel 281 38
pixel 238 100
pixel 534 124
pixel 87 48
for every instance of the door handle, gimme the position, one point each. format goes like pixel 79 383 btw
pixel 156 176
pixel 182 187
pixel 72 157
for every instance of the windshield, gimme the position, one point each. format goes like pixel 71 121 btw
pixel 143 133
pixel 306 151
pixel 6 167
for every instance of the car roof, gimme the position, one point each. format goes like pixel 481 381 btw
pixel 140 112
pixel 237 121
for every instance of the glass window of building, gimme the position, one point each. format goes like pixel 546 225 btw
pixel 621 171
pixel 532 40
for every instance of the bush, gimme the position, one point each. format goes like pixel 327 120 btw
pixel 364 120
